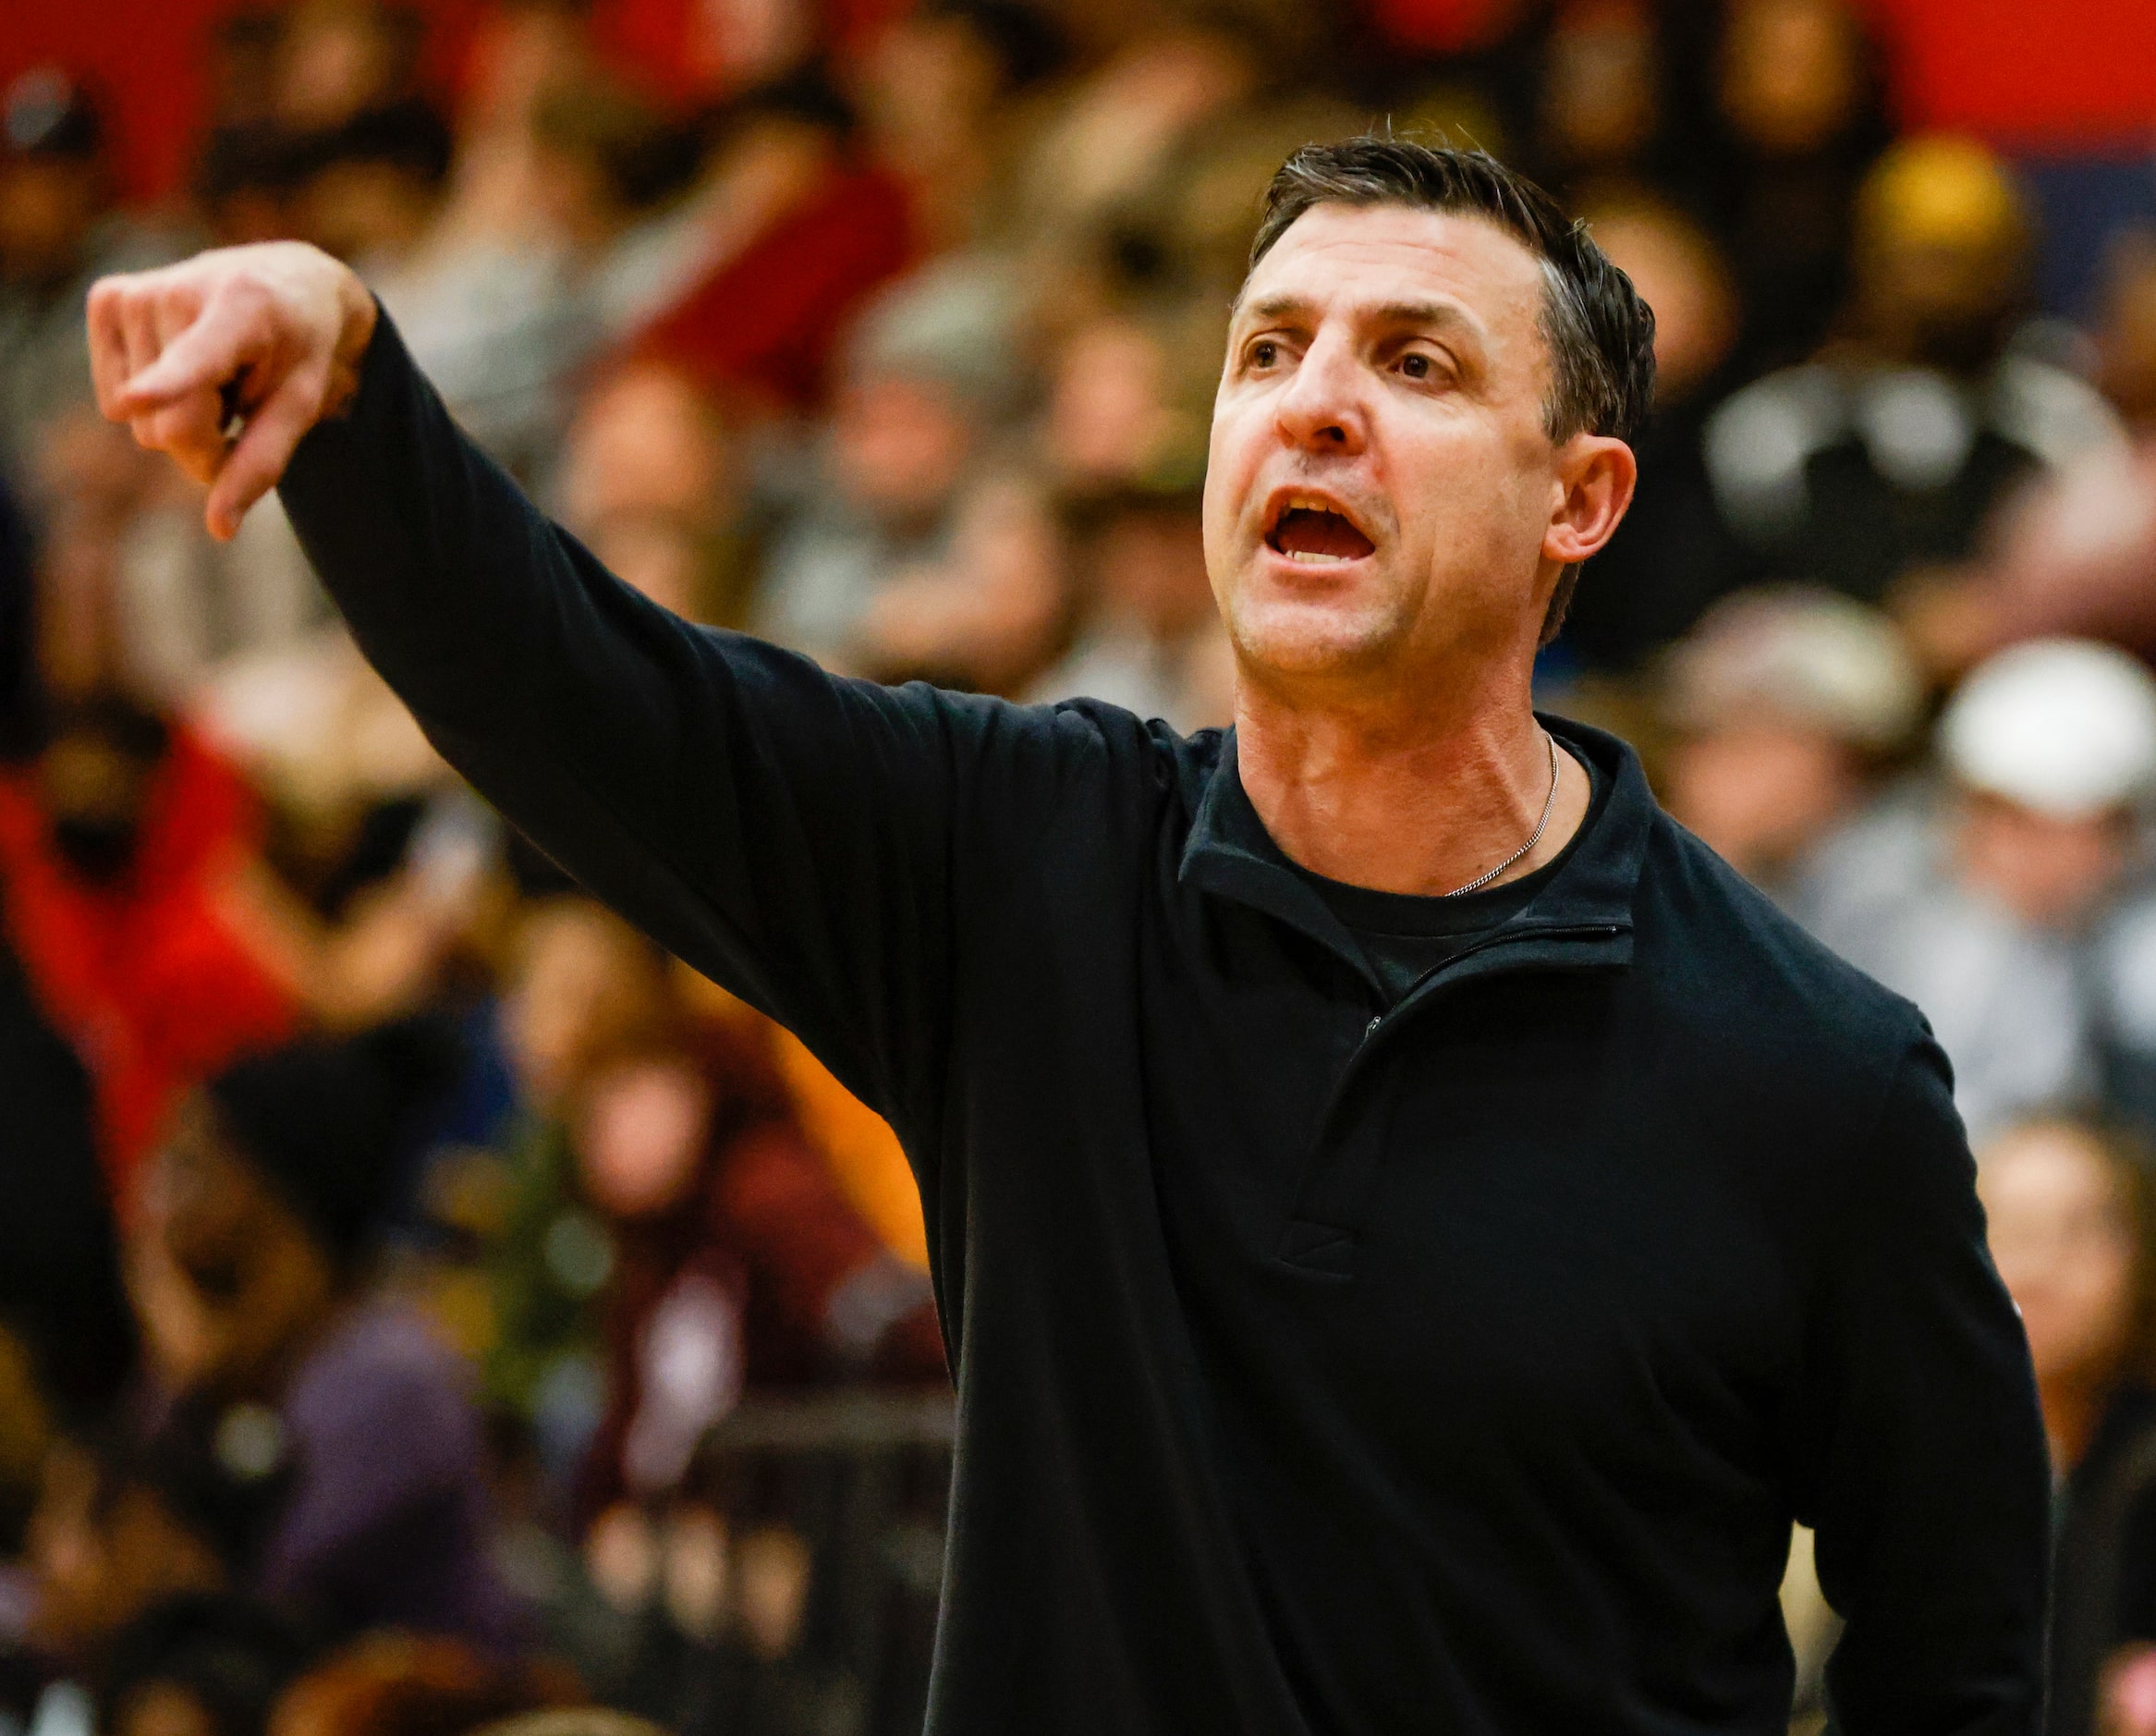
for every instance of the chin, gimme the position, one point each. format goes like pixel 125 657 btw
pixel 1312 637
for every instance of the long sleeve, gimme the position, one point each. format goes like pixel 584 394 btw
pixel 800 838
pixel 1926 1463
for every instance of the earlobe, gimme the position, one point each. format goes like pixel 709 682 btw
pixel 1596 489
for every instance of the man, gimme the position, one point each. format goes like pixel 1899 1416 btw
pixel 1411 1227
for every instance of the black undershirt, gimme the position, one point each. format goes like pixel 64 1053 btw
pixel 1406 937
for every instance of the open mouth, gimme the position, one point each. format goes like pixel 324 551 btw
pixel 1316 536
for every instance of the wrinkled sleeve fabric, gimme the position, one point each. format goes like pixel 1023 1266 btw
pixel 1926 1479
pixel 790 834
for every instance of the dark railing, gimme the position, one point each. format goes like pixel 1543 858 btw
pixel 818 1610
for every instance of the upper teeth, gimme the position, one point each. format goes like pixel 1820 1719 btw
pixel 1310 503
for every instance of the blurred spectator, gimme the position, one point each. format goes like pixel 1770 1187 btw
pixel 1672 554
pixel 335 60
pixel 1602 115
pixel 367 188
pixel 648 480
pixel 735 1259
pixel 2076 555
pixel 1800 118
pixel 403 1684
pixel 1115 132
pixel 19 681
pixel 249 1265
pixel 124 1524
pixel 1115 416
pixel 196 1665
pixel 239 187
pixel 939 91
pixel 60 230
pixel 1150 639
pixel 120 846
pixel 909 556
pixel 2071 1228
pixel 60 1295
pixel 811 229
pixel 1979 906
pixel 1784 706
pixel 1886 453
pixel 578 986
pixel 658 1219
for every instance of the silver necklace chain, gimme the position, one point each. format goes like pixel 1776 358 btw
pixel 1534 838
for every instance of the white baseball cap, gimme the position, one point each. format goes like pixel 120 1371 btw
pixel 2063 726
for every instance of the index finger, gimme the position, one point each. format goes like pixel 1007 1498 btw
pixel 213 348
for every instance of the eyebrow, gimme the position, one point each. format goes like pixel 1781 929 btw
pixel 1431 313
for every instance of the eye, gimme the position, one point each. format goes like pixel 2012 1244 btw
pixel 1415 365
pixel 1264 353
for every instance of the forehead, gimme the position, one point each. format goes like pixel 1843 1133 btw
pixel 1344 259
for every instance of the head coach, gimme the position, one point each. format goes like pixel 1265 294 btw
pixel 1412 1228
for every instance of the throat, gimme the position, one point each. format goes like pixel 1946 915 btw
pixel 1427 819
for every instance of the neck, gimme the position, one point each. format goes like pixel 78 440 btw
pixel 1420 799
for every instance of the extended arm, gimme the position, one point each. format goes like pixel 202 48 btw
pixel 1923 1444
pixel 791 835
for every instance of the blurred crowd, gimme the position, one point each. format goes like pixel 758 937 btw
pixel 386 1230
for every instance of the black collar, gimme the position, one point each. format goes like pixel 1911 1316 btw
pixel 1588 903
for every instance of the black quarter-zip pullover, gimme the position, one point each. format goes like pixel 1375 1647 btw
pixel 1322 1370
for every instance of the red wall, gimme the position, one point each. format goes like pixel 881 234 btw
pixel 2055 74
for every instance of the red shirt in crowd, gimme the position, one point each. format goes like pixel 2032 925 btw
pixel 149 976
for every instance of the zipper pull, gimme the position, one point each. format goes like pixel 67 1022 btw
pixel 1371 1030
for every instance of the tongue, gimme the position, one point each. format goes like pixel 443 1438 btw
pixel 1303 531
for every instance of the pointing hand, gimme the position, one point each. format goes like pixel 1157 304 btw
pixel 227 360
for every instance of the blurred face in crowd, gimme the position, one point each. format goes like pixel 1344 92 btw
pixel 1789 74
pixel 899 444
pixel 47 205
pixel 366 212
pixel 640 1136
pixel 1383 504
pixel 2062 1235
pixel 1107 406
pixel 241 1283
pixel 1599 96
pixel 1149 566
pixel 103 1556
pixel 2049 872
pixel 1941 254
pixel 1679 274
pixel 583 986
pixel 646 442
pixel 1761 791
pixel 94 791
pixel 2125 336
pixel 337 57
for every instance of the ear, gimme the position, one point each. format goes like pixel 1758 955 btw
pixel 1596 475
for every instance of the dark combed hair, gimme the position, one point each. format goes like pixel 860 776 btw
pixel 1601 334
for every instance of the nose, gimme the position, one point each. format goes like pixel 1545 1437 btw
pixel 1322 409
